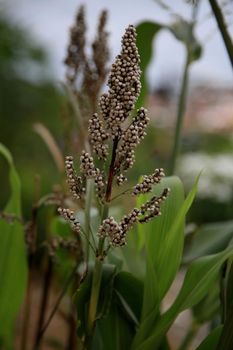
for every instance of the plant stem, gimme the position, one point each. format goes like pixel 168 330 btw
pixel 111 171
pixel 44 303
pixel 95 287
pixel 72 338
pixel 179 117
pixel 97 272
pixel 222 28
pixel 59 299
pixel 27 309
pixel 89 190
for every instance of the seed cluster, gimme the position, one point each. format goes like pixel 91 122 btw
pixel 109 228
pixel 100 184
pixel 75 52
pixel 129 220
pixel 124 84
pixel 74 181
pixel 100 48
pixel 68 215
pixel 131 138
pixel 87 165
pixel 97 136
pixel 121 179
pixel 117 232
pixel 151 208
pixel 148 181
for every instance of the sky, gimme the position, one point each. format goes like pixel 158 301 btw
pixel 48 22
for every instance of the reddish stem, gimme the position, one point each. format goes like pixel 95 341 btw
pixel 111 171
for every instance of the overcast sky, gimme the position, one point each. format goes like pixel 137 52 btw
pixel 48 21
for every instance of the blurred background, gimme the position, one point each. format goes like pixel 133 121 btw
pixel 33 41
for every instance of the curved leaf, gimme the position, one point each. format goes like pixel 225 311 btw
pixel 13 258
pixel 146 32
pixel 157 233
pixel 129 290
pixel 210 342
pixel 198 280
pixel 209 239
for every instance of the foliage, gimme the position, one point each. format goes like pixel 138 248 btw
pixel 13 258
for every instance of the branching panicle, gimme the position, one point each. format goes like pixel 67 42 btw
pixel 110 126
pixel 76 57
pixel 100 48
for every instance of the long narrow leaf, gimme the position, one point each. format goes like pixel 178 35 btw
pixel 13 258
pixel 199 278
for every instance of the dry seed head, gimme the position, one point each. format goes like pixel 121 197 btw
pixel 100 184
pixel 75 53
pixel 121 179
pixel 148 181
pixel 74 181
pixel 131 138
pixel 100 48
pixel 124 84
pixel 87 165
pixel 129 220
pixel 117 232
pixel 97 136
pixel 151 208
pixel 109 228
pixel 69 216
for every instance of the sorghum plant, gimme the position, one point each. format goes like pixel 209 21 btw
pixel 85 75
pixel 113 137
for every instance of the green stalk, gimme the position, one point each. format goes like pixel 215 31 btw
pixel 179 117
pixel 222 28
pixel 95 287
pixel 89 191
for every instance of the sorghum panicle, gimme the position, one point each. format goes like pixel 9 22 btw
pixel 76 57
pixel 109 126
pixel 124 84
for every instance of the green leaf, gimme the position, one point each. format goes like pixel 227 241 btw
pixel 168 227
pixel 13 258
pixel 226 339
pixel 209 307
pixel 183 31
pixel 146 32
pixel 209 239
pixel 198 280
pixel 165 242
pixel 114 332
pixel 129 290
pixel 210 342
